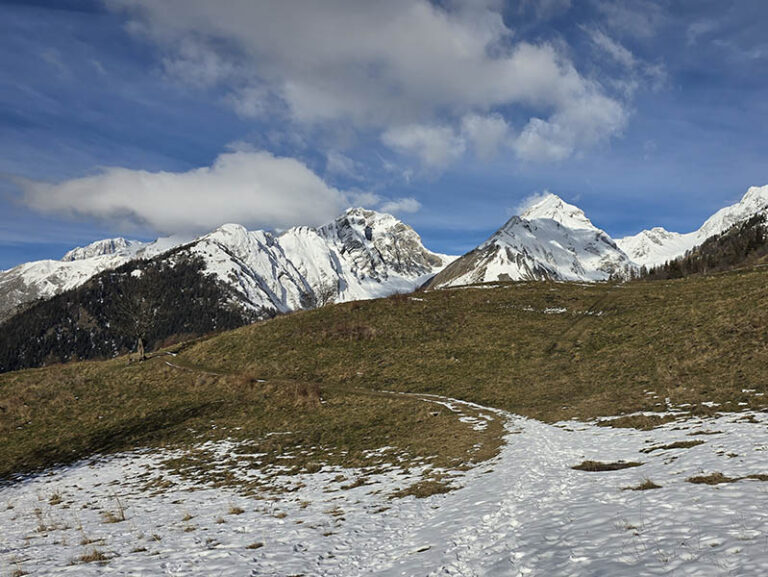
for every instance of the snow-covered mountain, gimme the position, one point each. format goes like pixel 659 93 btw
pixel 46 278
pixel 656 246
pixel 362 254
pixel 551 240
pixel 365 254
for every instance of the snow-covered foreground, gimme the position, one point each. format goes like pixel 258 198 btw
pixel 527 512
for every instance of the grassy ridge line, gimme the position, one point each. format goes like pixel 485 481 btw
pixel 695 340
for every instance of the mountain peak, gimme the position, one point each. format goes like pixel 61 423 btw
pixel 555 208
pixel 756 195
pixel 99 248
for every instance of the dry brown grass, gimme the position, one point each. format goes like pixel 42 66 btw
pixel 423 489
pixel 93 556
pixel 712 479
pixel 717 478
pixel 599 466
pixel 675 445
pixel 646 485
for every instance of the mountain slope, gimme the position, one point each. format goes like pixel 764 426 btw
pixel 551 240
pixel 43 279
pixel 656 246
pixel 153 300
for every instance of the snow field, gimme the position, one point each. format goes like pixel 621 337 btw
pixel 526 512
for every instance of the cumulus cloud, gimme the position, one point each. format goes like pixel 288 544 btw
pixel 256 189
pixel 698 29
pixel 435 146
pixel 406 68
pixel 486 134
pixel 250 187
pixel 579 126
pixel 400 205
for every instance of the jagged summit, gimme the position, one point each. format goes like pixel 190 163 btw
pixel 100 248
pixel 555 208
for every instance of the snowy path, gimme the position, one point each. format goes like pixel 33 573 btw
pixel 525 512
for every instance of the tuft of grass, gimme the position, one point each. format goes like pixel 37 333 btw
pixel 675 445
pixel 646 485
pixel 712 479
pixel 113 517
pixel 599 466
pixel 423 489
pixel 718 478
pixel 757 477
pixel 255 545
pixel 93 556
pixel 640 422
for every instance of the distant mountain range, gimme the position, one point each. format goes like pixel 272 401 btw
pixel 555 240
pixel 247 275
pixel 362 254
pixel 365 254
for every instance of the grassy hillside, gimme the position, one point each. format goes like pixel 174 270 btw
pixel 545 350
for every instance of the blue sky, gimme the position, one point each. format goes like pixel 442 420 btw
pixel 151 117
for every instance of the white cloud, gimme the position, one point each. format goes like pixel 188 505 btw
pixel 435 146
pixel 486 134
pixel 612 48
pixel 637 71
pixel 255 189
pixel 400 205
pixel 381 65
pixel 582 125
pixel 339 164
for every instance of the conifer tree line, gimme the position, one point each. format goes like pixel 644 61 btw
pixel 744 244
pixel 145 302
